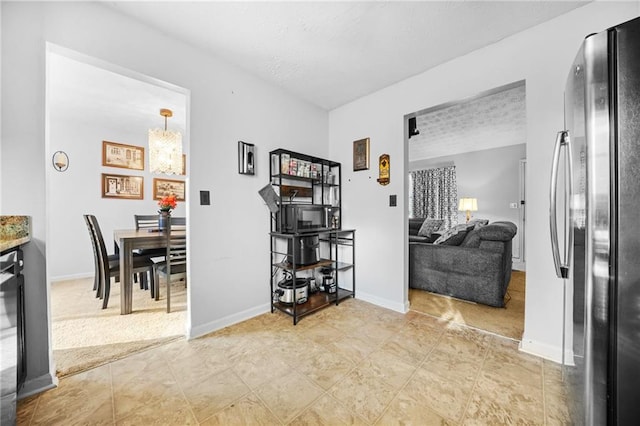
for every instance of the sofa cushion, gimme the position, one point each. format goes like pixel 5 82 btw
pixel 498 231
pixel 419 239
pixel 472 239
pixel 453 236
pixel 429 226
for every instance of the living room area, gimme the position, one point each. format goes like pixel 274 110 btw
pixel 467 162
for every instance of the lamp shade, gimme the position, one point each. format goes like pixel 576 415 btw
pixel 468 204
pixel 165 149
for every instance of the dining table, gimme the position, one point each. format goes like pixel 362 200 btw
pixel 128 240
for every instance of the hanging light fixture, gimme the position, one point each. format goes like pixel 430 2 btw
pixel 165 148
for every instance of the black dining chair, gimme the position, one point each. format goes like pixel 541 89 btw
pixel 175 264
pixel 148 222
pixel 96 257
pixel 110 264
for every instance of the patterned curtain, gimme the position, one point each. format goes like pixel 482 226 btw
pixel 434 194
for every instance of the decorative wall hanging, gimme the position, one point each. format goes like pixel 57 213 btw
pixel 361 155
pixel 166 187
pixel 246 158
pixel 384 166
pixel 123 156
pixel 60 161
pixel 120 186
pixel 165 148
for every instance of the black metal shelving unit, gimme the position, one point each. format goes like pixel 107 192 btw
pixel 309 180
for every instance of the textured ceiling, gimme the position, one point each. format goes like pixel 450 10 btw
pixel 491 120
pixel 330 53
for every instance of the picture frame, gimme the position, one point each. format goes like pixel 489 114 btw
pixel 121 155
pixel 163 187
pixel 361 154
pixel 122 186
pixel 246 152
pixel 184 165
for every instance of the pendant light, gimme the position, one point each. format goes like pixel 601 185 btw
pixel 165 148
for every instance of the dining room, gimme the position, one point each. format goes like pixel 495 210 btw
pixel 100 120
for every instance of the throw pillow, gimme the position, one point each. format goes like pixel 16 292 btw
pixel 478 223
pixel 453 236
pixel 429 226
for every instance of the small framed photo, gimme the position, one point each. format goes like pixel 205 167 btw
pixel 246 153
pixel 164 187
pixel 121 155
pixel 121 186
pixel 361 154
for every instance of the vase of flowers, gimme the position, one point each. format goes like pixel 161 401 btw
pixel 166 204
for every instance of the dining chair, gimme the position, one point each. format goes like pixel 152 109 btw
pixel 148 222
pixel 110 264
pixel 175 264
pixel 96 259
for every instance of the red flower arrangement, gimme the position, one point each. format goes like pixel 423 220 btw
pixel 167 203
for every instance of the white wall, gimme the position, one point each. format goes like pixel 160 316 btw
pixel 229 239
pixel 542 56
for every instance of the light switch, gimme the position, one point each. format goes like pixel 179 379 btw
pixel 205 198
pixel 392 201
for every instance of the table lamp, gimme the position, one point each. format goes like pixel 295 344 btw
pixel 468 205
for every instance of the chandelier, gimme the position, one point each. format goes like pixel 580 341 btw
pixel 165 149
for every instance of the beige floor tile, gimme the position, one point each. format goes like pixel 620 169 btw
pixel 385 365
pixel 289 395
pixel 494 395
pixel 353 348
pixel 257 368
pixel 80 399
pixel 324 367
pixel 160 414
pixel 482 411
pixel 247 411
pixel 447 395
pixel 327 411
pixel 364 394
pixel 214 393
pixel 406 410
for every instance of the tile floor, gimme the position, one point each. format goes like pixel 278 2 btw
pixel 351 364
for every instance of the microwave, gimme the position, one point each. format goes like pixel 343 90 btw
pixel 297 218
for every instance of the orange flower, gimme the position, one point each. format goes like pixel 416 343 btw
pixel 167 203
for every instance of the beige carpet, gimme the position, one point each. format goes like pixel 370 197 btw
pixel 507 322
pixel 86 336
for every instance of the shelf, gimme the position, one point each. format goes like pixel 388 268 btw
pixel 314 303
pixel 323 263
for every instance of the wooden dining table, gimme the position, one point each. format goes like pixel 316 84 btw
pixel 128 240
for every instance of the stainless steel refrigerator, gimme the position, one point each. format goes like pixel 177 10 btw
pixel 595 228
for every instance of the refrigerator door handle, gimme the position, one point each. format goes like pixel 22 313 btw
pixel 562 266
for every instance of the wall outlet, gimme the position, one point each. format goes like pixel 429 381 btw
pixel 513 205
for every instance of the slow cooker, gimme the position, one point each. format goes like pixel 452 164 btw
pixel 285 291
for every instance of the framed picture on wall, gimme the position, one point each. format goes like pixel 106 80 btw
pixel 121 155
pixel 164 187
pixel 121 186
pixel 361 155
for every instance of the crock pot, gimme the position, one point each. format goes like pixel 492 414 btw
pixel 285 291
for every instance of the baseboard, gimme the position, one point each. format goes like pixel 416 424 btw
pixel 37 385
pixel 210 327
pixel 385 303
pixel 544 350
pixel 519 266
pixel 72 277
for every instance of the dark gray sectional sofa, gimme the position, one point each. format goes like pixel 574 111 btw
pixel 478 270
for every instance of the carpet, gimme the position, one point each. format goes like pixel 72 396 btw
pixel 85 335
pixel 507 321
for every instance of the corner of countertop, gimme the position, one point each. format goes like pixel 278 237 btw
pixel 14 231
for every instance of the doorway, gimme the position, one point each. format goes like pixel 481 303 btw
pixel 484 138
pixel 91 104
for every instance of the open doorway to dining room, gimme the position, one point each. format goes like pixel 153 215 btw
pixel 472 149
pixel 92 106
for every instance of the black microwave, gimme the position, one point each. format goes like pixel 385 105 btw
pixel 296 218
